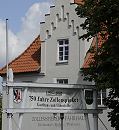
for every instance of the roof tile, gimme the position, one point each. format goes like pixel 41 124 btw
pixel 28 61
pixel 89 56
pixel 79 1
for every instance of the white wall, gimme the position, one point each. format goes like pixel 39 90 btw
pixel 62 29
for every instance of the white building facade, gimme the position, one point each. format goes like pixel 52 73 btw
pixel 61 56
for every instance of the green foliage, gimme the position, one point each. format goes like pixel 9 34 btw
pixel 99 16
pixel 102 17
pixel 114 105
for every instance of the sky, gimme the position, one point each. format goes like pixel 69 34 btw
pixel 24 17
pixel 15 10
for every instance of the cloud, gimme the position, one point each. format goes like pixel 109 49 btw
pixel 30 29
pixel 31 22
pixel 12 39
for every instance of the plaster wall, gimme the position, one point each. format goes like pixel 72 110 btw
pixel 61 23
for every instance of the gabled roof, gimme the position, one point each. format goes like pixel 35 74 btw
pixel 28 61
pixel 89 56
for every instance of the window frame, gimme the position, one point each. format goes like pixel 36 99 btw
pixel 63 80
pixel 63 51
pixel 101 98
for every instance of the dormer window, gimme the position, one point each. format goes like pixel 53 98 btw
pixel 63 50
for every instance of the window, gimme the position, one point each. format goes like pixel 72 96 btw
pixel 63 50
pixel 62 81
pixel 101 97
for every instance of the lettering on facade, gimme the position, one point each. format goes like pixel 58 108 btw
pixel 53 93
pixel 50 121
pixel 57 118
pixel 54 99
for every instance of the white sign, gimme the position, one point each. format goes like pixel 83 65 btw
pixel 50 98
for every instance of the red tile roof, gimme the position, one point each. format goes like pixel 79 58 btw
pixel 28 61
pixel 89 56
pixel 79 1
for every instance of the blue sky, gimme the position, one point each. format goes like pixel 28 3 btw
pixel 24 17
pixel 14 10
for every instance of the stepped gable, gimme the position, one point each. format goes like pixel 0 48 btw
pixel 61 12
pixel 28 61
pixel 89 56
